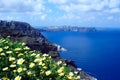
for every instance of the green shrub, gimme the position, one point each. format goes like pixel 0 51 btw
pixel 18 62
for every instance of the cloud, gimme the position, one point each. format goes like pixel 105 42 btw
pixel 115 10
pixel 85 5
pixel 69 6
pixel 114 3
pixel 27 9
pixel 110 17
pixel 60 11
pixel 87 11
pixel 23 6
pixel 10 17
pixel 43 17
pixel 58 1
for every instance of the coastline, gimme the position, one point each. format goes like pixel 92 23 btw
pixel 23 32
pixel 60 48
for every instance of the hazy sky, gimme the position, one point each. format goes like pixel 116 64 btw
pixel 95 13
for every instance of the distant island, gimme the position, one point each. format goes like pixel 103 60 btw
pixel 70 28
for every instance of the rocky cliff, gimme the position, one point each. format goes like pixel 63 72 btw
pixel 23 32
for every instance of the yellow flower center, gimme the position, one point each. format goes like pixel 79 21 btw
pixel 1 49
pixel 32 65
pixel 19 70
pixel 18 78
pixel 6 68
pixel 48 73
pixel 20 61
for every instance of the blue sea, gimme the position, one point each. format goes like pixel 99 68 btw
pixel 97 53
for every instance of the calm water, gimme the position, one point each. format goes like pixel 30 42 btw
pixel 97 53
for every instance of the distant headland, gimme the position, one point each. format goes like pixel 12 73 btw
pixel 71 28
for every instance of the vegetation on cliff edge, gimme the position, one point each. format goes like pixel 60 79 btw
pixel 18 62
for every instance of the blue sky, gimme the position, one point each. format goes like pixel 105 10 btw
pixel 87 13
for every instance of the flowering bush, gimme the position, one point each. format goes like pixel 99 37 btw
pixel 18 62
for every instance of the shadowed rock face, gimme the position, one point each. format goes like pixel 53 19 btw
pixel 23 32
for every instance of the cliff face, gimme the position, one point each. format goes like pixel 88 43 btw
pixel 23 32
